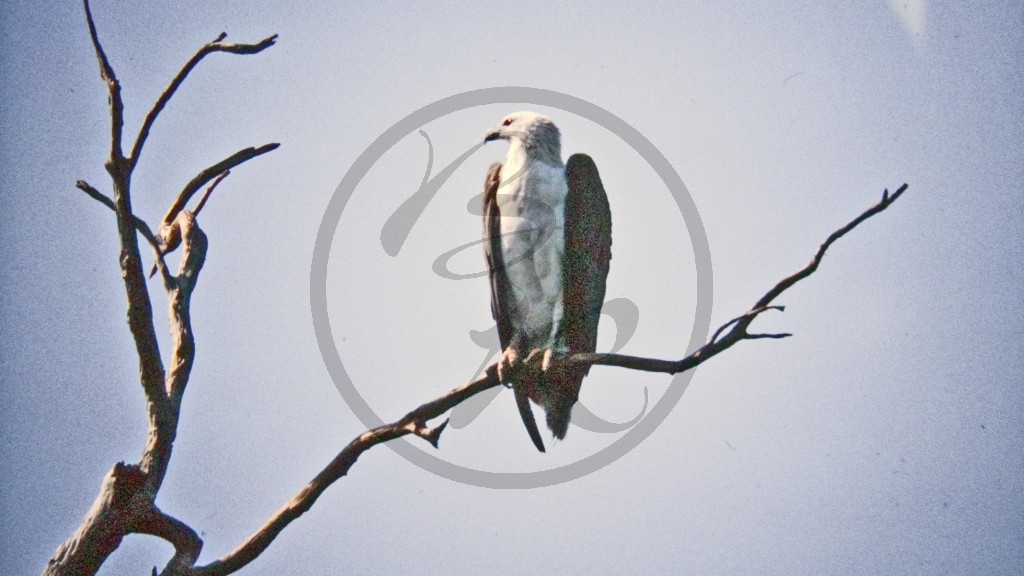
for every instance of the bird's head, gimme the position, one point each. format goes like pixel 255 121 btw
pixel 536 133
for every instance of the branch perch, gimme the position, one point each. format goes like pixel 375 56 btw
pixel 414 422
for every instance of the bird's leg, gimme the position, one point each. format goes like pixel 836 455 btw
pixel 506 364
pixel 547 355
pixel 548 360
pixel 557 346
pixel 556 351
pixel 533 355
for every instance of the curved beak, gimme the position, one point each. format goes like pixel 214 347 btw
pixel 492 134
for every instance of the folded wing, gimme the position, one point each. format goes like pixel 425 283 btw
pixel 587 258
pixel 502 298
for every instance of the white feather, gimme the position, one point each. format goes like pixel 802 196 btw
pixel 532 208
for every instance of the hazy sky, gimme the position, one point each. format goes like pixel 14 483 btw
pixel 886 436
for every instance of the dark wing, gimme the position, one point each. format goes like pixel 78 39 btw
pixel 502 298
pixel 588 254
pixel 501 291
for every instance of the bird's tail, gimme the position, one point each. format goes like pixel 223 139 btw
pixel 558 419
pixel 562 394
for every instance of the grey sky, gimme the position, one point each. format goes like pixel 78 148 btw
pixel 886 436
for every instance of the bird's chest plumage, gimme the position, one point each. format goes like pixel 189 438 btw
pixel 532 210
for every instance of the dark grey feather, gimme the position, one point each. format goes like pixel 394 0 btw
pixel 586 261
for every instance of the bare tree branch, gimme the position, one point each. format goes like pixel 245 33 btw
pixel 786 283
pixel 170 237
pixel 741 323
pixel 772 336
pixel 212 172
pixel 751 314
pixel 113 92
pixel 412 423
pixel 163 424
pixel 104 525
pixel 140 313
pixel 216 46
pixel 415 422
pixel 122 508
pixel 183 343
pixel 209 191
pixel 140 225
pixel 187 544
pixel 125 503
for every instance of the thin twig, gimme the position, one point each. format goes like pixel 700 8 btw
pixel 106 70
pixel 775 336
pixel 747 315
pixel 209 190
pixel 786 283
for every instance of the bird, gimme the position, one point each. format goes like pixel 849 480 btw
pixel 547 236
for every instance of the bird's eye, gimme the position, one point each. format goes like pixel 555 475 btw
pixel 506 122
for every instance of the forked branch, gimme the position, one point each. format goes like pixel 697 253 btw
pixel 125 504
pixel 213 172
pixel 740 324
pixel 140 225
pixel 216 46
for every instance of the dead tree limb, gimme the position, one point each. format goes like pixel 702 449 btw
pixel 212 172
pixel 140 225
pixel 125 503
pixel 216 46
pixel 415 422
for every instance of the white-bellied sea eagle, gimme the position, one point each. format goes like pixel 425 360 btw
pixel 547 240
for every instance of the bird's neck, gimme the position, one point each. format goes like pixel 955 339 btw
pixel 517 155
pixel 523 154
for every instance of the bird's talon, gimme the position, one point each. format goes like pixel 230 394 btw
pixel 548 360
pixel 530 358
pixel 505 364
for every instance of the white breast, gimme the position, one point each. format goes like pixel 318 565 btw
pixel 532 217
